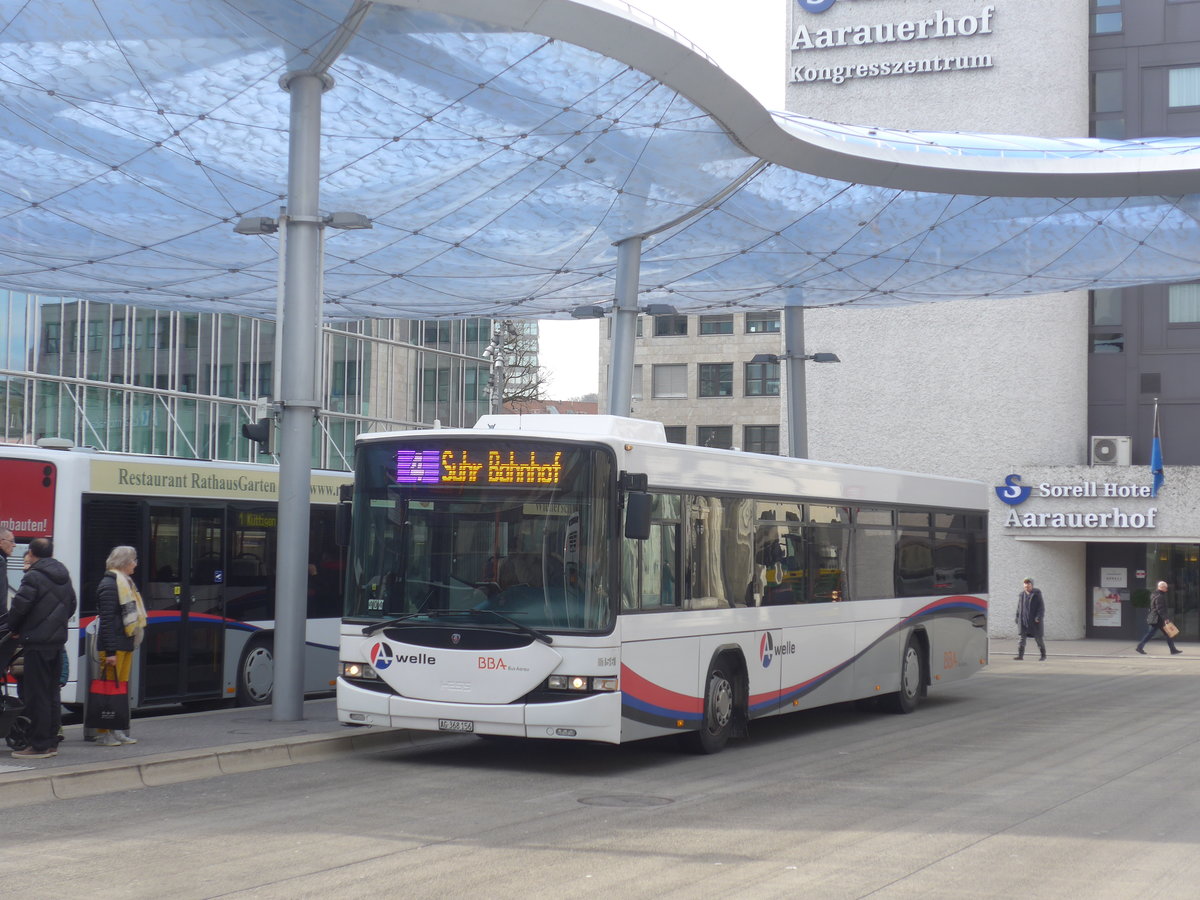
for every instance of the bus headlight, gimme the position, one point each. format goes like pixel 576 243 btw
pixel 605 683
pixel 357 670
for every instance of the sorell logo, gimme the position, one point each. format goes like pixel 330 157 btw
pixel 1013 493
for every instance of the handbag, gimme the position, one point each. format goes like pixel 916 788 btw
pixel 1170 628
pixel 107 703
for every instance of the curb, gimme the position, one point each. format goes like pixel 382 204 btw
pixel 177 767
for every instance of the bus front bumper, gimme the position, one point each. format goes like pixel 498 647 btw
pixel 593 718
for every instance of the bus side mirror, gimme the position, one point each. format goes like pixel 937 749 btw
pixel 638 505
pixel 341 521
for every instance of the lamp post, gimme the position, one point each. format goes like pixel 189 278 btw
pixel 301 248
pixel 797 411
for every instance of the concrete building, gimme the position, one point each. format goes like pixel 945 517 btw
pixel 987 390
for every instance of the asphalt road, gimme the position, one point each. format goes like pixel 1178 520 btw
pixel 1075 777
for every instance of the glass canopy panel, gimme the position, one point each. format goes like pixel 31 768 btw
pixel 500 167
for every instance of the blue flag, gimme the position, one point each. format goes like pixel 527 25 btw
pixel 1156 463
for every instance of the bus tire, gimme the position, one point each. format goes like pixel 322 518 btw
pixel 720 709
pixel 256 673
pixel 912 679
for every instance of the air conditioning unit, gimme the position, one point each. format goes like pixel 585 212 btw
pixel 1111 450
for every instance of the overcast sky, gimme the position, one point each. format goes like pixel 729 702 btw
pixel 734 35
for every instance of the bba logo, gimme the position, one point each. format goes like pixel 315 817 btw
pixel 768 649
pixel 492 662
pixel 381 656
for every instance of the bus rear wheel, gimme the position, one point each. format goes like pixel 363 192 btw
pixel 720 704
pixel 912 680
pixel 256 673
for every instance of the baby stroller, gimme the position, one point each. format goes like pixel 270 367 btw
pixel 14 724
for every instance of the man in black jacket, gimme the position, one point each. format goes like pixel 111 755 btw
pixel 40 611
pixel 1031 609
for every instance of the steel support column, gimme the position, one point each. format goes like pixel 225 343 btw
pixel 298 398
pixel 793 370
pixel 625 312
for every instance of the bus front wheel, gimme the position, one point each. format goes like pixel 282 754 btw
pixel 256 673
pixel 719 705
pixel 912 680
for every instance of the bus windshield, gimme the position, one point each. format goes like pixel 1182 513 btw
pixel 520 528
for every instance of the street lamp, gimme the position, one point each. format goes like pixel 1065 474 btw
pixel 780 357
pixel 343 221
pixel 797 412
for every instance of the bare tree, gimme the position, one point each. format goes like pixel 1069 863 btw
pixel 515 374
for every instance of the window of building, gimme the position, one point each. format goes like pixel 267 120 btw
pixel 95 334
pixel 676 434
pixel 716 379
pixel 636 390
pixel 118 334
pixel 669 381
pixel 1183 87
pixel 1183 304
pixel 716 324
pixel 762 323
pixel 1106 307
pixel 762 379
pixel 1108 104
pixel 670 326
pixel 1107 17
pixel 1108 91
pixel 51 332
pixel 191 331
pixel 761 439
pixel 1108 342
pixel 719 436
pixel 608 322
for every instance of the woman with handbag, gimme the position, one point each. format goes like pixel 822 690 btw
pixel 1156 620
pixel 122 624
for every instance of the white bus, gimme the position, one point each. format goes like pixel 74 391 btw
pixel 578 577
pixel 205 533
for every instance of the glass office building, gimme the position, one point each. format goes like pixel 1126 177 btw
pixel 182 384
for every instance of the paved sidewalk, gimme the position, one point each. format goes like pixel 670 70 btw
pixel 1007 647
pixel 188 747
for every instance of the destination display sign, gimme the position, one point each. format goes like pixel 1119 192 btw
pixel 479 464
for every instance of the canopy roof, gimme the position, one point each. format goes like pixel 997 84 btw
pixel 502 155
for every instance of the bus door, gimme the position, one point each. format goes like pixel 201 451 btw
pixel 184 580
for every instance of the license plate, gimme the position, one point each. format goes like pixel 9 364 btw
pixel 455 725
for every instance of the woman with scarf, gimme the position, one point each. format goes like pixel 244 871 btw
pixel 122 624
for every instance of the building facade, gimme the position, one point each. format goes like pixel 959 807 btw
pixel 182 384
pixel 1025 387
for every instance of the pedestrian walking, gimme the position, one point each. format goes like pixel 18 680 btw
pixel 40 611
pixel 122 624
pixel 1156 619
pixel 1031 610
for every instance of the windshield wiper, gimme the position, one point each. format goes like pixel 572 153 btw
pixel 436 613
pixel 400 620
pixel 520 626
